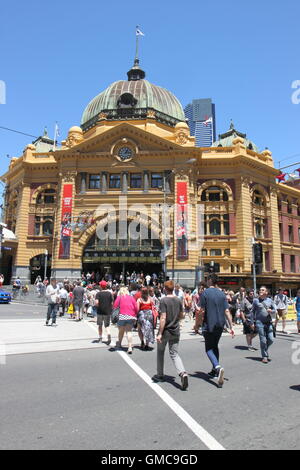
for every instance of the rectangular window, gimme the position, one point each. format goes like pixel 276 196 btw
pixel 114 181
pixel 280 231
pixel 136 180
pixel 293 264
pixel 215 252
pixel 204 252
pixel 37 228
pixel 291 234
pixel 227 252
pixel 283 262
pixel 156 180
pixel 94 182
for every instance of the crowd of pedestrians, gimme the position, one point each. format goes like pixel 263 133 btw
pixel 150 307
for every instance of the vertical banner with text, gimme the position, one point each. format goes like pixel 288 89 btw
pixel 181 221
pixel 66 218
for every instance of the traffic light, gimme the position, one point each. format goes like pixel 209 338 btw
pixel 258 253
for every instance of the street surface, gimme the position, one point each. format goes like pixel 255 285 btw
pixel 61 390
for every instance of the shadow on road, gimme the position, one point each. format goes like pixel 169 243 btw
pixel 257 359
pixel 295 387
pixel 205 377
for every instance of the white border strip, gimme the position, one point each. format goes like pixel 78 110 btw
pixel 198 430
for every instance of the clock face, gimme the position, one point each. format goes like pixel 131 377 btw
pixel 125 153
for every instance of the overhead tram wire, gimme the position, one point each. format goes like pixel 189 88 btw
pixel 18 132
pixel 287 158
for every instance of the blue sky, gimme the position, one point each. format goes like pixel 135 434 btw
pixel 56 56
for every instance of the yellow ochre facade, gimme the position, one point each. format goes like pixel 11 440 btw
pixel 130 153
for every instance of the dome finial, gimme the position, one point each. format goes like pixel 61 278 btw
pixel 231 124
pixel 136 73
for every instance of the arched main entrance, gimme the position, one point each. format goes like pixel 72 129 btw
pixel 111 255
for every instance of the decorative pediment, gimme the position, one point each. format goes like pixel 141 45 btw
pixel 140 140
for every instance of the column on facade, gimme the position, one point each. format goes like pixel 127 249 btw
pixel 124 182
pixel 167 178
pixel 275 233
pixel 22 262
pixel 103 182
pixel 83 182
pixel 146 181
pixel 244 226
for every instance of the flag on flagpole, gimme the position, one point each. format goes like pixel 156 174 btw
pixel 139 32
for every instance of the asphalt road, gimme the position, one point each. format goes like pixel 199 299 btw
pixel 93 399
pixel 16 310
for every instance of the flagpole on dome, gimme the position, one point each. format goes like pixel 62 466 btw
pixel 56 134
pixel 138 33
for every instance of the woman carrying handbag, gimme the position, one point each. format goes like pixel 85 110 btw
pixel 127 316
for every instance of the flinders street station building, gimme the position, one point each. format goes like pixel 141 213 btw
pixel 128 190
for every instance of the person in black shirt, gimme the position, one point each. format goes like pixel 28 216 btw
pixel 104 303
pixel 214 308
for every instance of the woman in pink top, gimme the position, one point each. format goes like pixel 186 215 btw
pixel 127 316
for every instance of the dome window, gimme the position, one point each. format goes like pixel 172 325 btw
pixel 127 100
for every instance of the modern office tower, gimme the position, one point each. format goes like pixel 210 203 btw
pixel 202 121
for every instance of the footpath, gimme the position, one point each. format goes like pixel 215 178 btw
pixel 21 335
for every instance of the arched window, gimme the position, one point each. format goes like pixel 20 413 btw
pixel 214 194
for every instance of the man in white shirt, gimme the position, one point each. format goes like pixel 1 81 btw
pixel 52 294
pixel 63 295
pixel 281 302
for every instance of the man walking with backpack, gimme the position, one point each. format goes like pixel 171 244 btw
pixel 215 310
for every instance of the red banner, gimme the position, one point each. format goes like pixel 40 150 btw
pixel 181 222
pixel 66 218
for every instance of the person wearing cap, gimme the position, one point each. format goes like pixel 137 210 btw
pixel 104 303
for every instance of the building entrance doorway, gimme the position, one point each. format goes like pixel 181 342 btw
pixel 122 271
pixel 118 258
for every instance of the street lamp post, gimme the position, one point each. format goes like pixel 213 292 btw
pixel 46 262
pixel 253 266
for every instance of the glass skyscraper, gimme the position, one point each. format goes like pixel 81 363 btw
pixel 202 121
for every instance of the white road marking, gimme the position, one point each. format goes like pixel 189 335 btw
pixel 195 427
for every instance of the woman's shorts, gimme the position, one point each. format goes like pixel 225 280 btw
pixel 126 322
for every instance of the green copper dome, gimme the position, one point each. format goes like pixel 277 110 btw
pixel 226 140
pixel 133 99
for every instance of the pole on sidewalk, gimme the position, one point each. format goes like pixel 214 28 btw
pixel 254 267
pixel 46 263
